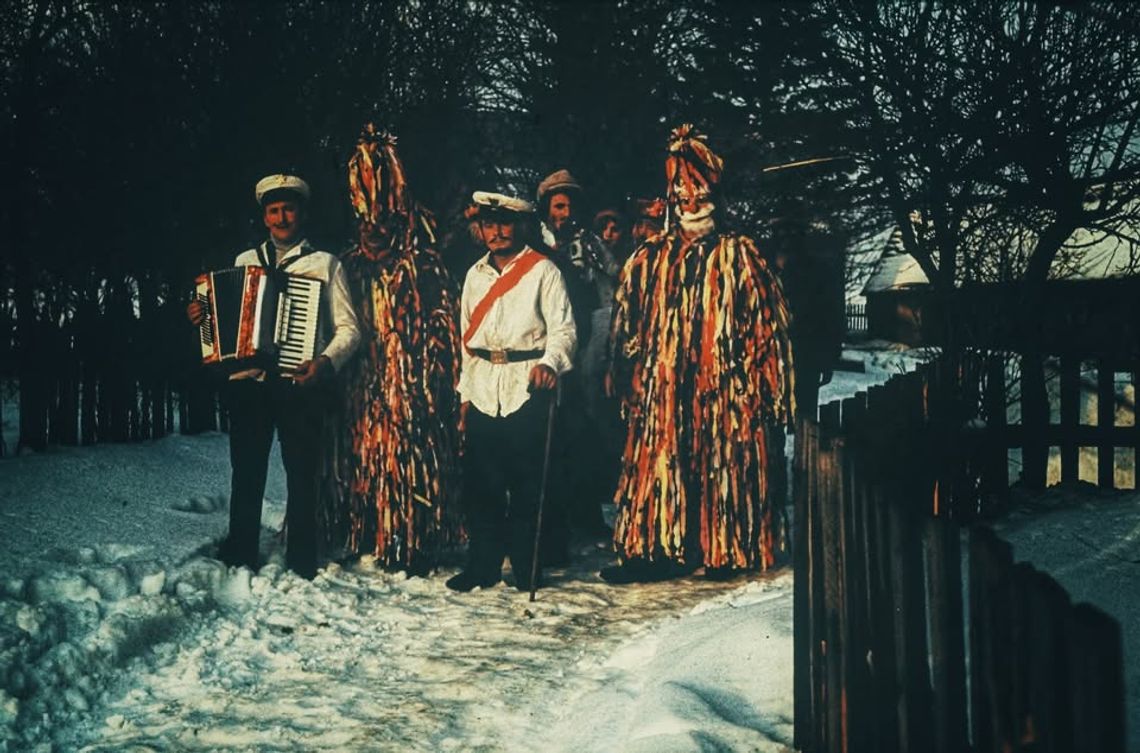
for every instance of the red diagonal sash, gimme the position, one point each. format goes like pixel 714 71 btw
pixel 508 280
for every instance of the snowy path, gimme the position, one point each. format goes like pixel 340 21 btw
pixel 116 634
pixel 363 660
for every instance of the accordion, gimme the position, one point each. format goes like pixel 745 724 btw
pixel 258 317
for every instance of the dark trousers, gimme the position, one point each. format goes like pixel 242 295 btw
pixel 579 466
pixel 256 409
pixel 503 456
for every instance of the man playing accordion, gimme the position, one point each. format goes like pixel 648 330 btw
pixel 261 399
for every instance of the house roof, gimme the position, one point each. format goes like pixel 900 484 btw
pixel 896 268
pixel 1093 255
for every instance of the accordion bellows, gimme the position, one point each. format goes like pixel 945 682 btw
pixel 258 317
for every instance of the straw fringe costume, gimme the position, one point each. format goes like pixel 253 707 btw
pixel 397 457
pixel 701 355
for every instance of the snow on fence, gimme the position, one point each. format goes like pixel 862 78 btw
pixel 895 649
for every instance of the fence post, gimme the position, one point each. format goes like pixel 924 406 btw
pixel 1044 714
pixel 803 553
pixel 947 642
pixel 1096 664
pixel 907 501
pixel 991 641
pixel 833 697
pixel 884 416
pixel 856 559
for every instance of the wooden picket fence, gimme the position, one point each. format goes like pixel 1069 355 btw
pixel 914 629
pixel 1114 435
pixel 856 320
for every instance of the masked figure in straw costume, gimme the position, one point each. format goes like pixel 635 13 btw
pixel 701 359
pixel 397 455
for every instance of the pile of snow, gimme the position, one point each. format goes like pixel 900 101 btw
pixel 118 631
pixel 98 547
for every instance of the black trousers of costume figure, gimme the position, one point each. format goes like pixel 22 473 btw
pixel 503 455
pixel 256 409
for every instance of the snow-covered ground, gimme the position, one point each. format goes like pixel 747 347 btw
pixel 1089 541
pixel 119 632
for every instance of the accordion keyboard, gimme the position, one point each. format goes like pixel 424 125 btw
pixel 297 322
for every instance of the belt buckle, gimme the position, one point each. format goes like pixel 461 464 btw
pixel 498 356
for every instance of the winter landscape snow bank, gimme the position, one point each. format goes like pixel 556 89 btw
pixel 119 632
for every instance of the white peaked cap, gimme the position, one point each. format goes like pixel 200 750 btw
pixel 501 201
pixel 279 183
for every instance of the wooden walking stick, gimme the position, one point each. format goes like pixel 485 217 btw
pixel 542 493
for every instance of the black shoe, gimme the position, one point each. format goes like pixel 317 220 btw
pixel 643 571
pixel 229 555
pixel 597 531
pixel 721 574
pixel 467 581
pixel 554 556
pixel 419 567
pixel 306 571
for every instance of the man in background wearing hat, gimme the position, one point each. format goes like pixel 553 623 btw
pixel 591 273
pixel 612 229
pixel 518 337
pixel 649 220
pixel 260 401
pixel 702 361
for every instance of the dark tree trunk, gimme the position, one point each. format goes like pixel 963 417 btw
pixel 65 423
pixel 86 327
pixel 33 395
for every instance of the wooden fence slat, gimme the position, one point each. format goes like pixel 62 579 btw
pixel 947 642
pixel 1105 419
pixel 995 467
pixel 991 640
pixel 817 629
pixel 806 439
pixel 881 601
pixel 831 539
pixel 1046 719
pixel 1097 689
pixel 1135 443
pixel 1070 418
pixel 860 732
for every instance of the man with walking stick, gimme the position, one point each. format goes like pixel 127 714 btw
pixel 518 337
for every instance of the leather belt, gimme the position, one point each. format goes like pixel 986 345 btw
pixel 507 356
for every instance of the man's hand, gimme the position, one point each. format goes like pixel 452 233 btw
pixel 608 385
pixel 542 378
pixel 463 407
pixel 313 372
pixel 196 313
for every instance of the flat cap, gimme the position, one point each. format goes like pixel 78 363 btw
pixel 489 201
pixel 271 183
pixel 559 181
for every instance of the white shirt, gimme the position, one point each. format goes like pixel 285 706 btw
pixel 340 333
pixel 533 315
